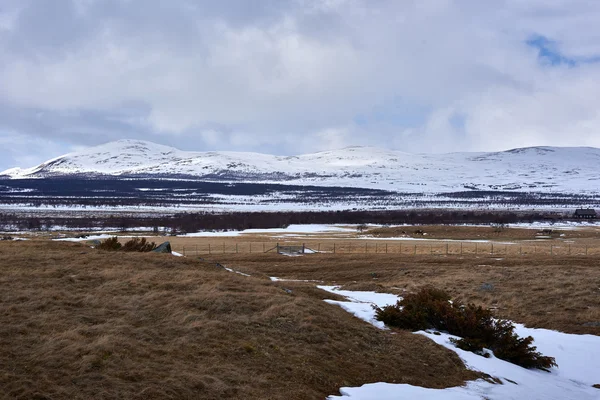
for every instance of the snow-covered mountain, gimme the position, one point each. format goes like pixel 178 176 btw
pixel 540 169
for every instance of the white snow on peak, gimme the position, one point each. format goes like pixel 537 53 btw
pixel 559 169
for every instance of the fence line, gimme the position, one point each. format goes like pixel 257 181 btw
pixel 368 247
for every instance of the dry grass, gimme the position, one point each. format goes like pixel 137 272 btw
pixel 560 293
pixel 483 232
pixel 78 323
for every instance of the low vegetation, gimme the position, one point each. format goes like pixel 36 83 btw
pixel 477 328
pixel 140 245
pixel 541 291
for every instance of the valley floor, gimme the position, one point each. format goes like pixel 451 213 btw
pixel 83 323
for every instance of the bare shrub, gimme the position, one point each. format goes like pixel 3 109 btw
pixel 139 245
pixel 110 244
pixel 431 308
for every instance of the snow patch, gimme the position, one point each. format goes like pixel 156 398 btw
pixel 578 358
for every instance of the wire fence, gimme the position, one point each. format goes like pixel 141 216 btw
pixel 436 248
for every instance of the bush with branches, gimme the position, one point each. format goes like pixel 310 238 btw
pixel 139 244
pixel 431 308
pixel 110 244
pixel 135 244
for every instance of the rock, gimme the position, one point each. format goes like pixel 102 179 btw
pixel 595 324
pixel 163 248
pixel 487 287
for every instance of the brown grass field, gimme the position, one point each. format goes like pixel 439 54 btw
pixel 81 323
pixel 561 293
pixel 78 323
pixel 439 240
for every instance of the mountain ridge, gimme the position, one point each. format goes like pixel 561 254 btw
pixel 539 168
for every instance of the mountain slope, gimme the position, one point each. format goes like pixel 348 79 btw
pixel 569 169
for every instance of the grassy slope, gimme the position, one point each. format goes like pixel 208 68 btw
pixel 561 293
pixel 76 323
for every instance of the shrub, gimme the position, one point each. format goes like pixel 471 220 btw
pixel 431 308
pixel 140 245
pixel 110 244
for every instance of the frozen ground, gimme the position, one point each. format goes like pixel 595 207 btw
pixel 577 356
pixel 292 229
pixel 86 238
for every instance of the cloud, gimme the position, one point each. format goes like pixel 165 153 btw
pixel 286 76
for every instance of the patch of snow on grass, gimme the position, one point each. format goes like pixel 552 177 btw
pixel 275 279
pixel 235 272
pixel 86 238
pixel 305 229
pixel 577 356
pixel 361 303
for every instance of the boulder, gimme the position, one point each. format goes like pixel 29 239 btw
pixel 163 248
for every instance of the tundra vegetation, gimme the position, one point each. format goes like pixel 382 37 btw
pixel 431 308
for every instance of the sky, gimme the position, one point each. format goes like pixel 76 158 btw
pixel 296 76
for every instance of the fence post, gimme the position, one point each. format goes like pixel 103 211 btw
pixel 223 247
pixel 520 250
pixel 461 248
pixel 446 248
pixel 236 247
pixel 586 249
pixel 475 248
pixel 366 244
pixel 569 249
pixel 400 248
pixel 250 247
pixel 209 248
pixel 184 251
pixel 263 247
pixel 551 250
pixel 376 248
pixel 386 248
pixel 492 248
pixel 196 250
pixel 319 247
pixel 415 250
pixel 333 248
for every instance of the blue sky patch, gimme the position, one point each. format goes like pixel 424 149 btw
pixel 548 51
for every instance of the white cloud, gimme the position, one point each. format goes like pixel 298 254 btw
pixel 296 75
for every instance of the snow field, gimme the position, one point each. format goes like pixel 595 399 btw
pixel 540 169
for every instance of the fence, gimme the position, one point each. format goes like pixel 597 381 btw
pixel 434 248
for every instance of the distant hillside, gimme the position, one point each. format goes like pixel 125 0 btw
pixel 535 169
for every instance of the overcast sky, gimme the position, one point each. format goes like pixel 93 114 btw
pixel 296 76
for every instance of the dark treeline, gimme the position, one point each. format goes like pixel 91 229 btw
pixel 194 222
pixel 119 192
pixel 92 192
